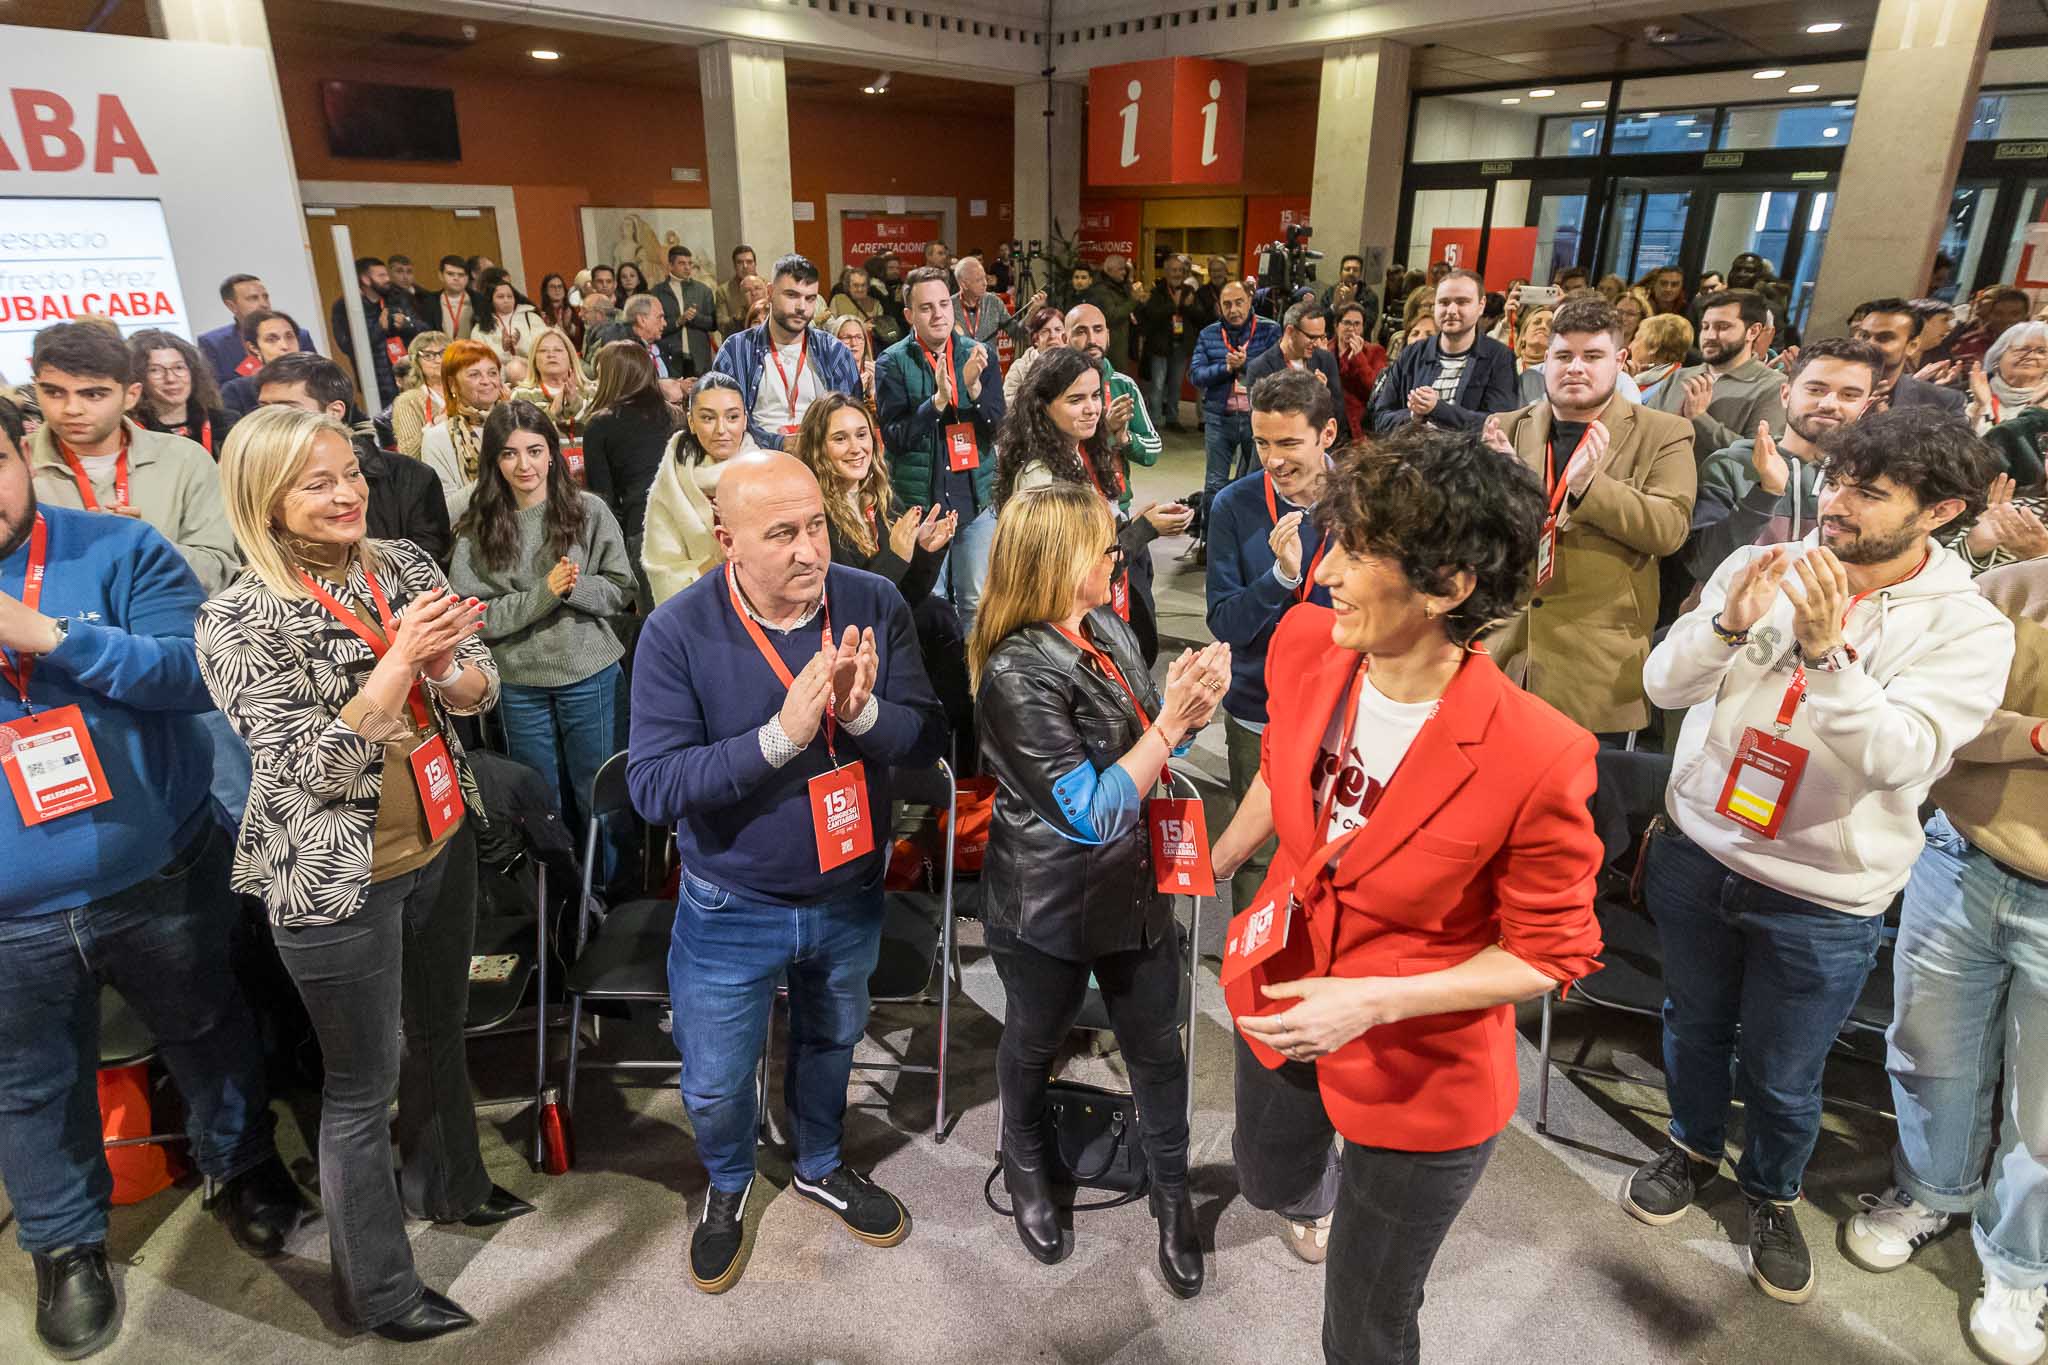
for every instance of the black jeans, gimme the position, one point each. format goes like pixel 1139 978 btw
pixel 387 990
pixel 1042 998
pixel 1393 1208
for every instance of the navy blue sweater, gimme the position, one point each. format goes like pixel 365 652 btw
pixel 1246 600
pixel 129 666
pixel 702 692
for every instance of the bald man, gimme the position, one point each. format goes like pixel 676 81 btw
pixel 983 315
pixel 770 702
pixel 1131 433
pixel 1222 351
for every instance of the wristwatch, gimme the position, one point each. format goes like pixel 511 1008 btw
pixel 1834 661
pixel 63 625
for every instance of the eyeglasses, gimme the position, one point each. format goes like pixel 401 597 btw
pixel 434 354
pixel 175 370
pixel 1116 556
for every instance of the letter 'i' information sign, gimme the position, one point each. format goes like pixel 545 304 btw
pixel 62 259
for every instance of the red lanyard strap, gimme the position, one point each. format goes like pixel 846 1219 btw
pixel 78 474
pixel 775 663
pixel 802 358
pixel 17 670
pixel 1102 662
pixel 1553 482
pixel 1308 579
pixel 378 646
pixel 932 357
pixel 1795 691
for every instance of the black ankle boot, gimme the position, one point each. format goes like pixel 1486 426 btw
pixel 433 1316
pixel 74 1301
pixel 1180 1243
pixel 1038 1218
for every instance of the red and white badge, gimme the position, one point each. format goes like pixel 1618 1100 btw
pixel 839 816
pixel 1180 324
pixel 572 456
pixel 52 767
pixel 1239 399
pixel 963 452
pixel 1255 935
pixel 1120 595
pixel 394 350
pixel 1180 846
pixel 433 770
pixel 1546 552
pixel 1761 781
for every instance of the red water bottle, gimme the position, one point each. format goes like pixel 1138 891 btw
pixel 555 1153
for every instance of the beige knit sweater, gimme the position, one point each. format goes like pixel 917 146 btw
pixel 1998 789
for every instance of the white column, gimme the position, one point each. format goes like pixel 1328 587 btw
pixel 233 23
pixel 746 142
pixel 1034 171
pixel 1881 241
pixel 1361 136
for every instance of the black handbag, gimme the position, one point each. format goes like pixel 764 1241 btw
pixel 1091 1142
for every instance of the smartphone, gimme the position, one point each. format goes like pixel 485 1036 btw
pixel 1537 296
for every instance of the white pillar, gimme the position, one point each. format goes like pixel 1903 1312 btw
pixel 746 142
pixel 1361 136
pixel 232 23
pixel 1882 241
pixel 1034 171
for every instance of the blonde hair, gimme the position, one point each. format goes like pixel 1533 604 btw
pixel 416 373
pixel 258 465
pixel 1667 336
pixel 1047 540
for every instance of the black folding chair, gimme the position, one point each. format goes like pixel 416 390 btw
pixel 126 1041
pixel 524 939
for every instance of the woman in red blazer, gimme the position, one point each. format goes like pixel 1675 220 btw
pixel 1436 865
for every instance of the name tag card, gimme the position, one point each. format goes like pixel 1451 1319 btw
pixel 1255 935
pixel 433 769
pixel 963 452
pixel 1761 782
pixel 839 816
pixel 1180 846
pixel 52 767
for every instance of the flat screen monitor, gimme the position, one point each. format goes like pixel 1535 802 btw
pixel 62 259
pixel 390 122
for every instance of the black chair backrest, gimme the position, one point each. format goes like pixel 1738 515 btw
pixel 931 786
pixel 608 793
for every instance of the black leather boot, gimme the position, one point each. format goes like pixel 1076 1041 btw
pixel 1180 1242
pixel 1031 1204
pixel 431 1317
pixel 75 1305
pixel 262 1207
pixel 499 1206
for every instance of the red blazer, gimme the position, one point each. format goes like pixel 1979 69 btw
pixel 1482 838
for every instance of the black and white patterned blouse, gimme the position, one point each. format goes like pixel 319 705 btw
pixel 281 671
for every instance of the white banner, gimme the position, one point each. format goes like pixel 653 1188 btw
pixel 62 259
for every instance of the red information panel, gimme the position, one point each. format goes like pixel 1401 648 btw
pixel 862 235
pixel 1175 121
pixel 1109 227
pixel 1510 252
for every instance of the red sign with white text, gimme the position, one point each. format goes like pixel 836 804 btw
pixel 1175 121
pixel 1510 252
pixel 1109 227
pixel 862 235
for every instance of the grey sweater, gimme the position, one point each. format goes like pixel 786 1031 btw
pixel 539 639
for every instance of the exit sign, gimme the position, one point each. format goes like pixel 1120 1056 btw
pixel 1721 161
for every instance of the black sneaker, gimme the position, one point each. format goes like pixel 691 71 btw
pixel 75 1303
pixel 1778 1260
pixel 1663 1188
pixel 721 1236
pixel 870 1212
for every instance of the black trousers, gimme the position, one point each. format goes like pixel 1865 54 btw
pixel 1393 1208
pixel 1042 998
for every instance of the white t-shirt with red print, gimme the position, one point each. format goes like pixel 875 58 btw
pixel 1379 741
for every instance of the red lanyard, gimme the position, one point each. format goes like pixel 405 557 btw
pixel 454 312
pixel 1308 580
pixel 85 493
pixel 973 316
pixel 933 358
pixel 184 429
pixel 1101 661
pixel 802 356
pixel 1795 691
pixel 1107 496
pixel 1553 483
pixel 378 647
pixel 781 669
pixel 31 594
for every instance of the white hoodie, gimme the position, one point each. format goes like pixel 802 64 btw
pixel 1931 668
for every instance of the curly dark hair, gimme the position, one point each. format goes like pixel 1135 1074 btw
pixel 1929 452
pixel 493 514
pixel 1436 502
pixel 1028 433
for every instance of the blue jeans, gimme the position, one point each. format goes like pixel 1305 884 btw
pixel 165 945
pixel 1971 982
pixel 1227 444
pixel 1164 374
pixel 966 568
pixel 1785 973
pixel 725 959
pixel 574 727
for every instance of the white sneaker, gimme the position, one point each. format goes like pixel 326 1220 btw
pixel 1310 1241
pixel 2005 1323
pixel 1890 1229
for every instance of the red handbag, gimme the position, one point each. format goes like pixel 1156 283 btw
pixel 975 800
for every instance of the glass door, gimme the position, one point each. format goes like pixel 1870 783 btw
pixel 1646 227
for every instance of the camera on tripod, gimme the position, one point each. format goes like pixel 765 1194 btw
pixel 1289 264
pixel 1022 255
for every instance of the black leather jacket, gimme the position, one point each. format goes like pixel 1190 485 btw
pixel 1042 710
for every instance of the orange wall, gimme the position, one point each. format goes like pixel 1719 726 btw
pixel 565 145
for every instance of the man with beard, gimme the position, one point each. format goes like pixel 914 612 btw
pixel 388 315
pixel 1118 296
pixel 785 364
pixel 1733 390
pixel 1894 326
pixel 1829 682
pixel 1751 493
pixel 117 873
pixel 1454 379
pixel 1620 480
pixel 1132 437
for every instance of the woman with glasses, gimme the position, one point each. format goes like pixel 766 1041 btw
pixel 2014 376
pixel 421 403
pixel 1078 735
pixel 178 391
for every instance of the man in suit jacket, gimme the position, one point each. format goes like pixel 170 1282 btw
pixel 1454 379
pixel 1892 325
pixel 1304 345
pixel 690 311
pixel 1621 480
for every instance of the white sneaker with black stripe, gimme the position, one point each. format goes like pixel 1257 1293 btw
pixel 1892 1226
pixel 2005 1322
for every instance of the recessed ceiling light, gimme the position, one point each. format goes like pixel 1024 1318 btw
pixel 1831 132
pixel 1592 104
pixel 1541 94
pixel 1650 115
pixel 1510 99
pixel 1806 89
pixel 1769 73
pixel 1587 133
pixel 545 54
pixel 1843 104
pixel 1687 122
pixel 1829 27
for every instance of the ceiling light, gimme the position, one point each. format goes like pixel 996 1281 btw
pixel 879 85
pixel 1829 27
pixel 1831 132
pixel 1686 122
pixel 1843 104
pixel 1510 99
pixel 1650 115
pixel 1587 133
pixel 1769 73
pixel 1541 94
pixel 545 54
pixel 1592 104
pixel 1807 89
pixel 1695 134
